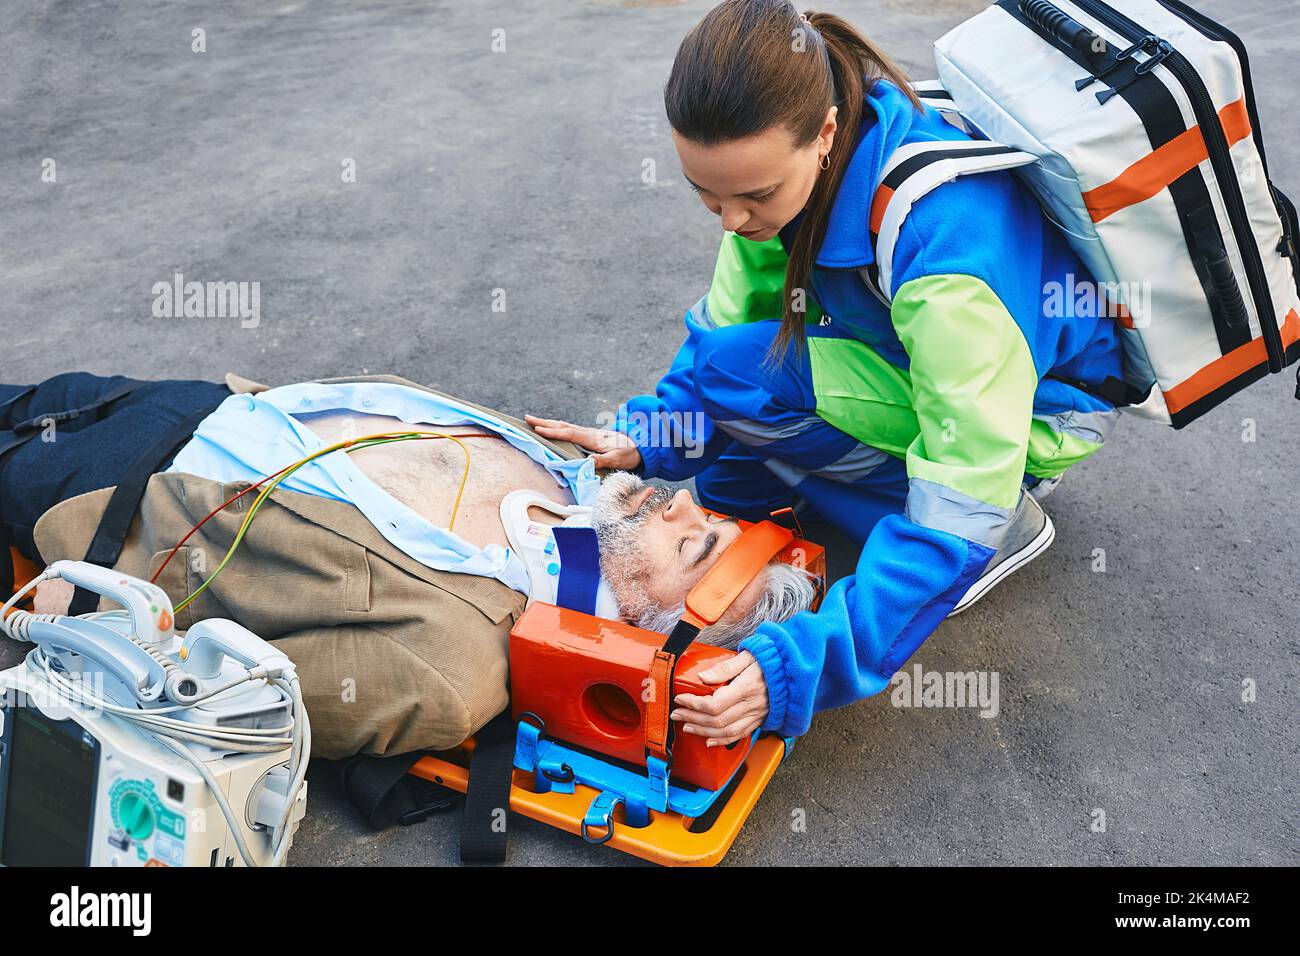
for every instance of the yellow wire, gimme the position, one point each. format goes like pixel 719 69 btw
pixel 351 445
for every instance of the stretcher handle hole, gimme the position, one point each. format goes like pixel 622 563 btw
pixel 611 710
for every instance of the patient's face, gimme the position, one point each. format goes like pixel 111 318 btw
pixel 655 544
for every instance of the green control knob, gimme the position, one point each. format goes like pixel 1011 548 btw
pixel 135 816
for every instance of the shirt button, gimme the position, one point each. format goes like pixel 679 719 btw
pixel 305 401
pixel 367 402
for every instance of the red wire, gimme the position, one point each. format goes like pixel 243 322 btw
pixel 215 511
pixel 230 501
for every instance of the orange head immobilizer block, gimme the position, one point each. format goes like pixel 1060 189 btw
pixel 589 680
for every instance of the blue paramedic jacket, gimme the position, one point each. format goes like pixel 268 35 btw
pixel 976 322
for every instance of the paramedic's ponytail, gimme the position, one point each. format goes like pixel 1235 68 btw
pixel 750 64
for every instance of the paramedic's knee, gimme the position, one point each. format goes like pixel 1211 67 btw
pixel 741 489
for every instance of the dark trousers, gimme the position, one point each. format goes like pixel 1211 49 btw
pixel 65 457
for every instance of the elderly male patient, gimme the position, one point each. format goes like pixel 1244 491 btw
pixel 396 617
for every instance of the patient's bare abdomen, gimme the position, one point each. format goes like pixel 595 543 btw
pixel 424 474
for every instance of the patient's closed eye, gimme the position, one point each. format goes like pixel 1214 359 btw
pixel 709 543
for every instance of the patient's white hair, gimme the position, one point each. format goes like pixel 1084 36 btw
pixel 787 590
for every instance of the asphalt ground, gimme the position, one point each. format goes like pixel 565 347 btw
pixel 520 176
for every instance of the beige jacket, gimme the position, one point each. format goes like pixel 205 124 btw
pixel 392 655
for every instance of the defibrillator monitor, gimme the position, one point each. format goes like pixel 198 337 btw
pixel 78 788
pixel 47 787
pixel 124 743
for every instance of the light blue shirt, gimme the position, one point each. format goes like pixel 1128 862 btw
pixel 251 436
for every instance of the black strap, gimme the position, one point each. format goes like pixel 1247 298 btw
pixel 24 431
pixel 683 636
pixel 483 834
pixel 1114 390
pixel 106 546
pixel 383 790
pixel 928 157
pixel 37 422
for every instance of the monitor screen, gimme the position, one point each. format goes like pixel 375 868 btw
pixel 47 805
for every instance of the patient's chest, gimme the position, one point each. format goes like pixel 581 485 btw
pixel 425 474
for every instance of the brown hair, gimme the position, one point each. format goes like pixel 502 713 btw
pixel 750 64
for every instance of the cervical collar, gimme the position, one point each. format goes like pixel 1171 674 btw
pixel 534 543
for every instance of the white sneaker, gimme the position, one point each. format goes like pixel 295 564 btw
pixel 1030 534
pixel 1046 487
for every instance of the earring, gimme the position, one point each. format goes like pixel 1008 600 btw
pixel 825 161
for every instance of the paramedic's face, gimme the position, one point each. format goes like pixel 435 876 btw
pixel 756 184
pixel 656 544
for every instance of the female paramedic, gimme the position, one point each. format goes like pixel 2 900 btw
pixel 917 426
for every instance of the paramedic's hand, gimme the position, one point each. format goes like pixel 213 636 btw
pixel 730 713
pixel 613 449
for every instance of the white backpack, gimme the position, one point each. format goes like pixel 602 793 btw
pixel 1100 108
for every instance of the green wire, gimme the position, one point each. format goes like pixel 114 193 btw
pixel 266 493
